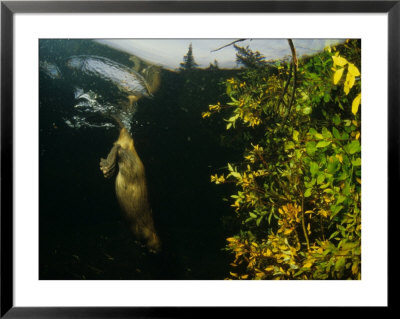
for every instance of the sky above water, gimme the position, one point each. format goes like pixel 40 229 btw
pixel 169 52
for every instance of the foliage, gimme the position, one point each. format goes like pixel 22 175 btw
pixel 298 185
pixel 188 60
pixel 248 58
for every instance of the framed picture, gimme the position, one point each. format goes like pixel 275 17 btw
pixel 161 156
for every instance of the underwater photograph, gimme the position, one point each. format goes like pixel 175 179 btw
pixel 199 159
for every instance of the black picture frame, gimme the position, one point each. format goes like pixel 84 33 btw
pixel 9 8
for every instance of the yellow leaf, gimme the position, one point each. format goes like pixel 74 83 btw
pixel 295 135
pixel 352 69
pixel 354 268
pixel 349 83
pixel 309 228
pixel 357 135
pixel 339 61
pixel 346 88
pixel 337 76
pixel 288 231
pixel 358 180
pixel 308 264
pixel 356 103
pixel 323 212
pixel 231 239
pixel 269 268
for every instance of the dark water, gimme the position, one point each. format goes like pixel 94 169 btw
pixel 82 231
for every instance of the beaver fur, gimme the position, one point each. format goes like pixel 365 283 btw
pixel 131 188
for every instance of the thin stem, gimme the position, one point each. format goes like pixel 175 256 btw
pixel 303 223
pixel 286 87
pixel 295 65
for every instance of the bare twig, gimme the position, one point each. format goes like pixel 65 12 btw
pixel 227 45
pixel 286 87
pixel 295 66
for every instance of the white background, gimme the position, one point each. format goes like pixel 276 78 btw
pixel 370 291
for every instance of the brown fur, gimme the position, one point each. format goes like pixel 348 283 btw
pixel 131 188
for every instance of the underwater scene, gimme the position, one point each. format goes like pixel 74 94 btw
pixel 199 159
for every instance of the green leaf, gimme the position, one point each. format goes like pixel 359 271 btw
pixel 295 135
pixel 336 133
pixel 259 221
pixel 307 193
pixel 320 178
pixel 236 175
pixel 311 148
pixel 312 131
pixel 228 89
pixel 323 144
pixel 269 217
pixel 307 110
pixel 289 145
pixel 356 162
pixel 334 234
pixel 333 165
pixel 252 215
pixel 335 210
pixel 336 119
pixel 326 133
pixel 353 147
pixel 340 263
pixel 325 185
pixel 314 168
pixel 319 136
pixel 340 199
pixel 310 184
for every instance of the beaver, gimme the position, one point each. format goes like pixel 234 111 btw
pixel 131 188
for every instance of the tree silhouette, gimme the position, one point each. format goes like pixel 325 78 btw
pixel 188 60
pixel 214 66
pixel 248 58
